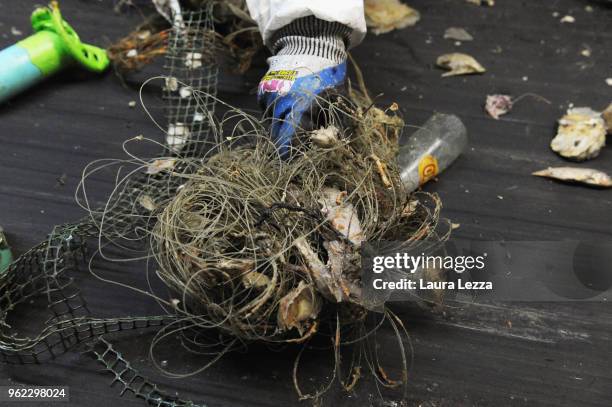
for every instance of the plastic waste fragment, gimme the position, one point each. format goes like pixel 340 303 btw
pixel 430 150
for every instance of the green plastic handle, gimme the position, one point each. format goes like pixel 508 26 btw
pixel 6 257
pixel 88 56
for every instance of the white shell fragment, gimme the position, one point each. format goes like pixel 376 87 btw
pixel 341 215
pixel 568 19
pixel 459 64
pixel 147 202
pixel 498 105
pixel 160 165
pixel 198 117
pixel 171 83
pixel 606 115
pixel 586 52
pixel 581 134
pixel 383 16
pixel 319 273
pixel 333 279
pixel 253 279
pixel 325 136
pixel 144 34
pixel 186 92
pixel 296 309
pixel 177 136
pixel 585 176
pixel 489 3
pixel 193 60
pixel 457 34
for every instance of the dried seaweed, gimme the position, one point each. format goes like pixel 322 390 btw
pixel 140 47
pixel 238 38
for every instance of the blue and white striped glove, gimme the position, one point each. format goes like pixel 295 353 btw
pixel 309 62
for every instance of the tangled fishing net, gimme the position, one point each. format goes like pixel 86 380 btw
pixel 266 248
pixel 250 246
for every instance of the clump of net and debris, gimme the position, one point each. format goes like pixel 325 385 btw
pixel 252 246
pixel 264 248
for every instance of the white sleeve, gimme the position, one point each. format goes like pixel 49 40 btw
pixel 274 14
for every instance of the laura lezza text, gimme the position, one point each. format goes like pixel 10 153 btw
pixel 421 284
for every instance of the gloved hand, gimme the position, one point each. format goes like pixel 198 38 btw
pixel 309 62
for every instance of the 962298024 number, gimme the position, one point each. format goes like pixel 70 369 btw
pixel 34 393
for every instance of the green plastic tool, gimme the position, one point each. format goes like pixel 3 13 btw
pixel 53 46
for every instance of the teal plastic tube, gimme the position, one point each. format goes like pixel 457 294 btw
pixel 17 72
pixel 6 257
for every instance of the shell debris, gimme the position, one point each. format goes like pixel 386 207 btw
pixel 383 16
pixel 587 176
pixel 581 134
pixel 459 64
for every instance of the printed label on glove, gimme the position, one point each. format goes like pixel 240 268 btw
pixel 287 74
pixel 278 81
pixel 428 168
